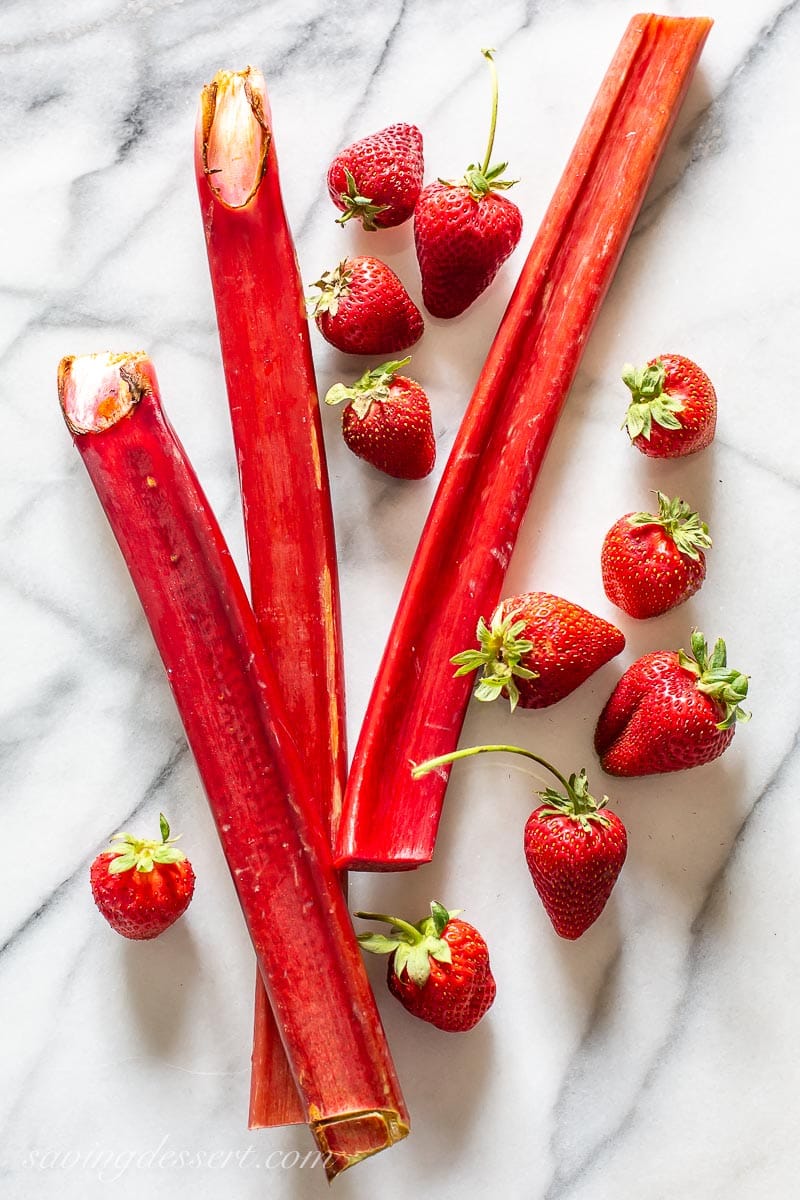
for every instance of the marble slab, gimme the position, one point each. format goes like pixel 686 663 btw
pixel 659 1056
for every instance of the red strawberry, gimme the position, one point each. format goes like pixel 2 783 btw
pixel 653 563
pixel 387 421
pixel 673 410
pixel 363 308
pixel 439 969
pixel 574 846
pixel 671 711
pixel 539 649
pixel 142 887
pixel 464 231
pixel 378 178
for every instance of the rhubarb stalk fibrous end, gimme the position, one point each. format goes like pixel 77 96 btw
pixel 98 390
pixel 375 1129
pixel 235 136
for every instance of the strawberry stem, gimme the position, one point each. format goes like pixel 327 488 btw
pixel 489 56
pixel 577 802
pixel 432 763
pixel 484 178
pixel 413 946
pixel 396 922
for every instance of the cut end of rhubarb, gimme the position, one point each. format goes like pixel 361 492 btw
pixel 98 390
pixel 234 134
pixel 350 1138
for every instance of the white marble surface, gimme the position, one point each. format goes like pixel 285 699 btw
pixel 656 1058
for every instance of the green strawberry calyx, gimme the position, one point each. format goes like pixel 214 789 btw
pixel 575 801
pixel 356 205
pixel 481 179
pixel 139 854
pixel 413 946
pixel 716 679
pixel 499 658
pixel 373 385
pixel 680 523
pixel 649 401
pixel 333 286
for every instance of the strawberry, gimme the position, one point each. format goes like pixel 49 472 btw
pixel 673 410
pixel 378 178
pixel 142 887
pixel 439 969
pixel 363 308
pixel 387 421
pixel 574 847
pixel 538 649
pixel 653 562
pixel 671 711
pixel 464 231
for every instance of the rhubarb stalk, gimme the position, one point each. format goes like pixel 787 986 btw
pixel 275 415
pixel 231 704
pixel 417 706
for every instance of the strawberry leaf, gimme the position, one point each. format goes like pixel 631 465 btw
pixel 123 862
pixel 577 802
pixel 413 945
pixel 356 205
pixel 680 523
pixel 333 286
pixel 649 402
pixel 377 943
pixel 499 656
pixel 467 661
pixel 371 386
pixel 723 684
pixel 417 963
pixel 142 855
pixel 440 917
pixel 165 855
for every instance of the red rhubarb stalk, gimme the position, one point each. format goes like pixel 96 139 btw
pixel 284 480
pixel 417 707
pixel 231 704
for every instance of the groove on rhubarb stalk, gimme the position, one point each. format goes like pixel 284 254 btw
pixel 232 708
pixel 390 821
pixel 277 429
